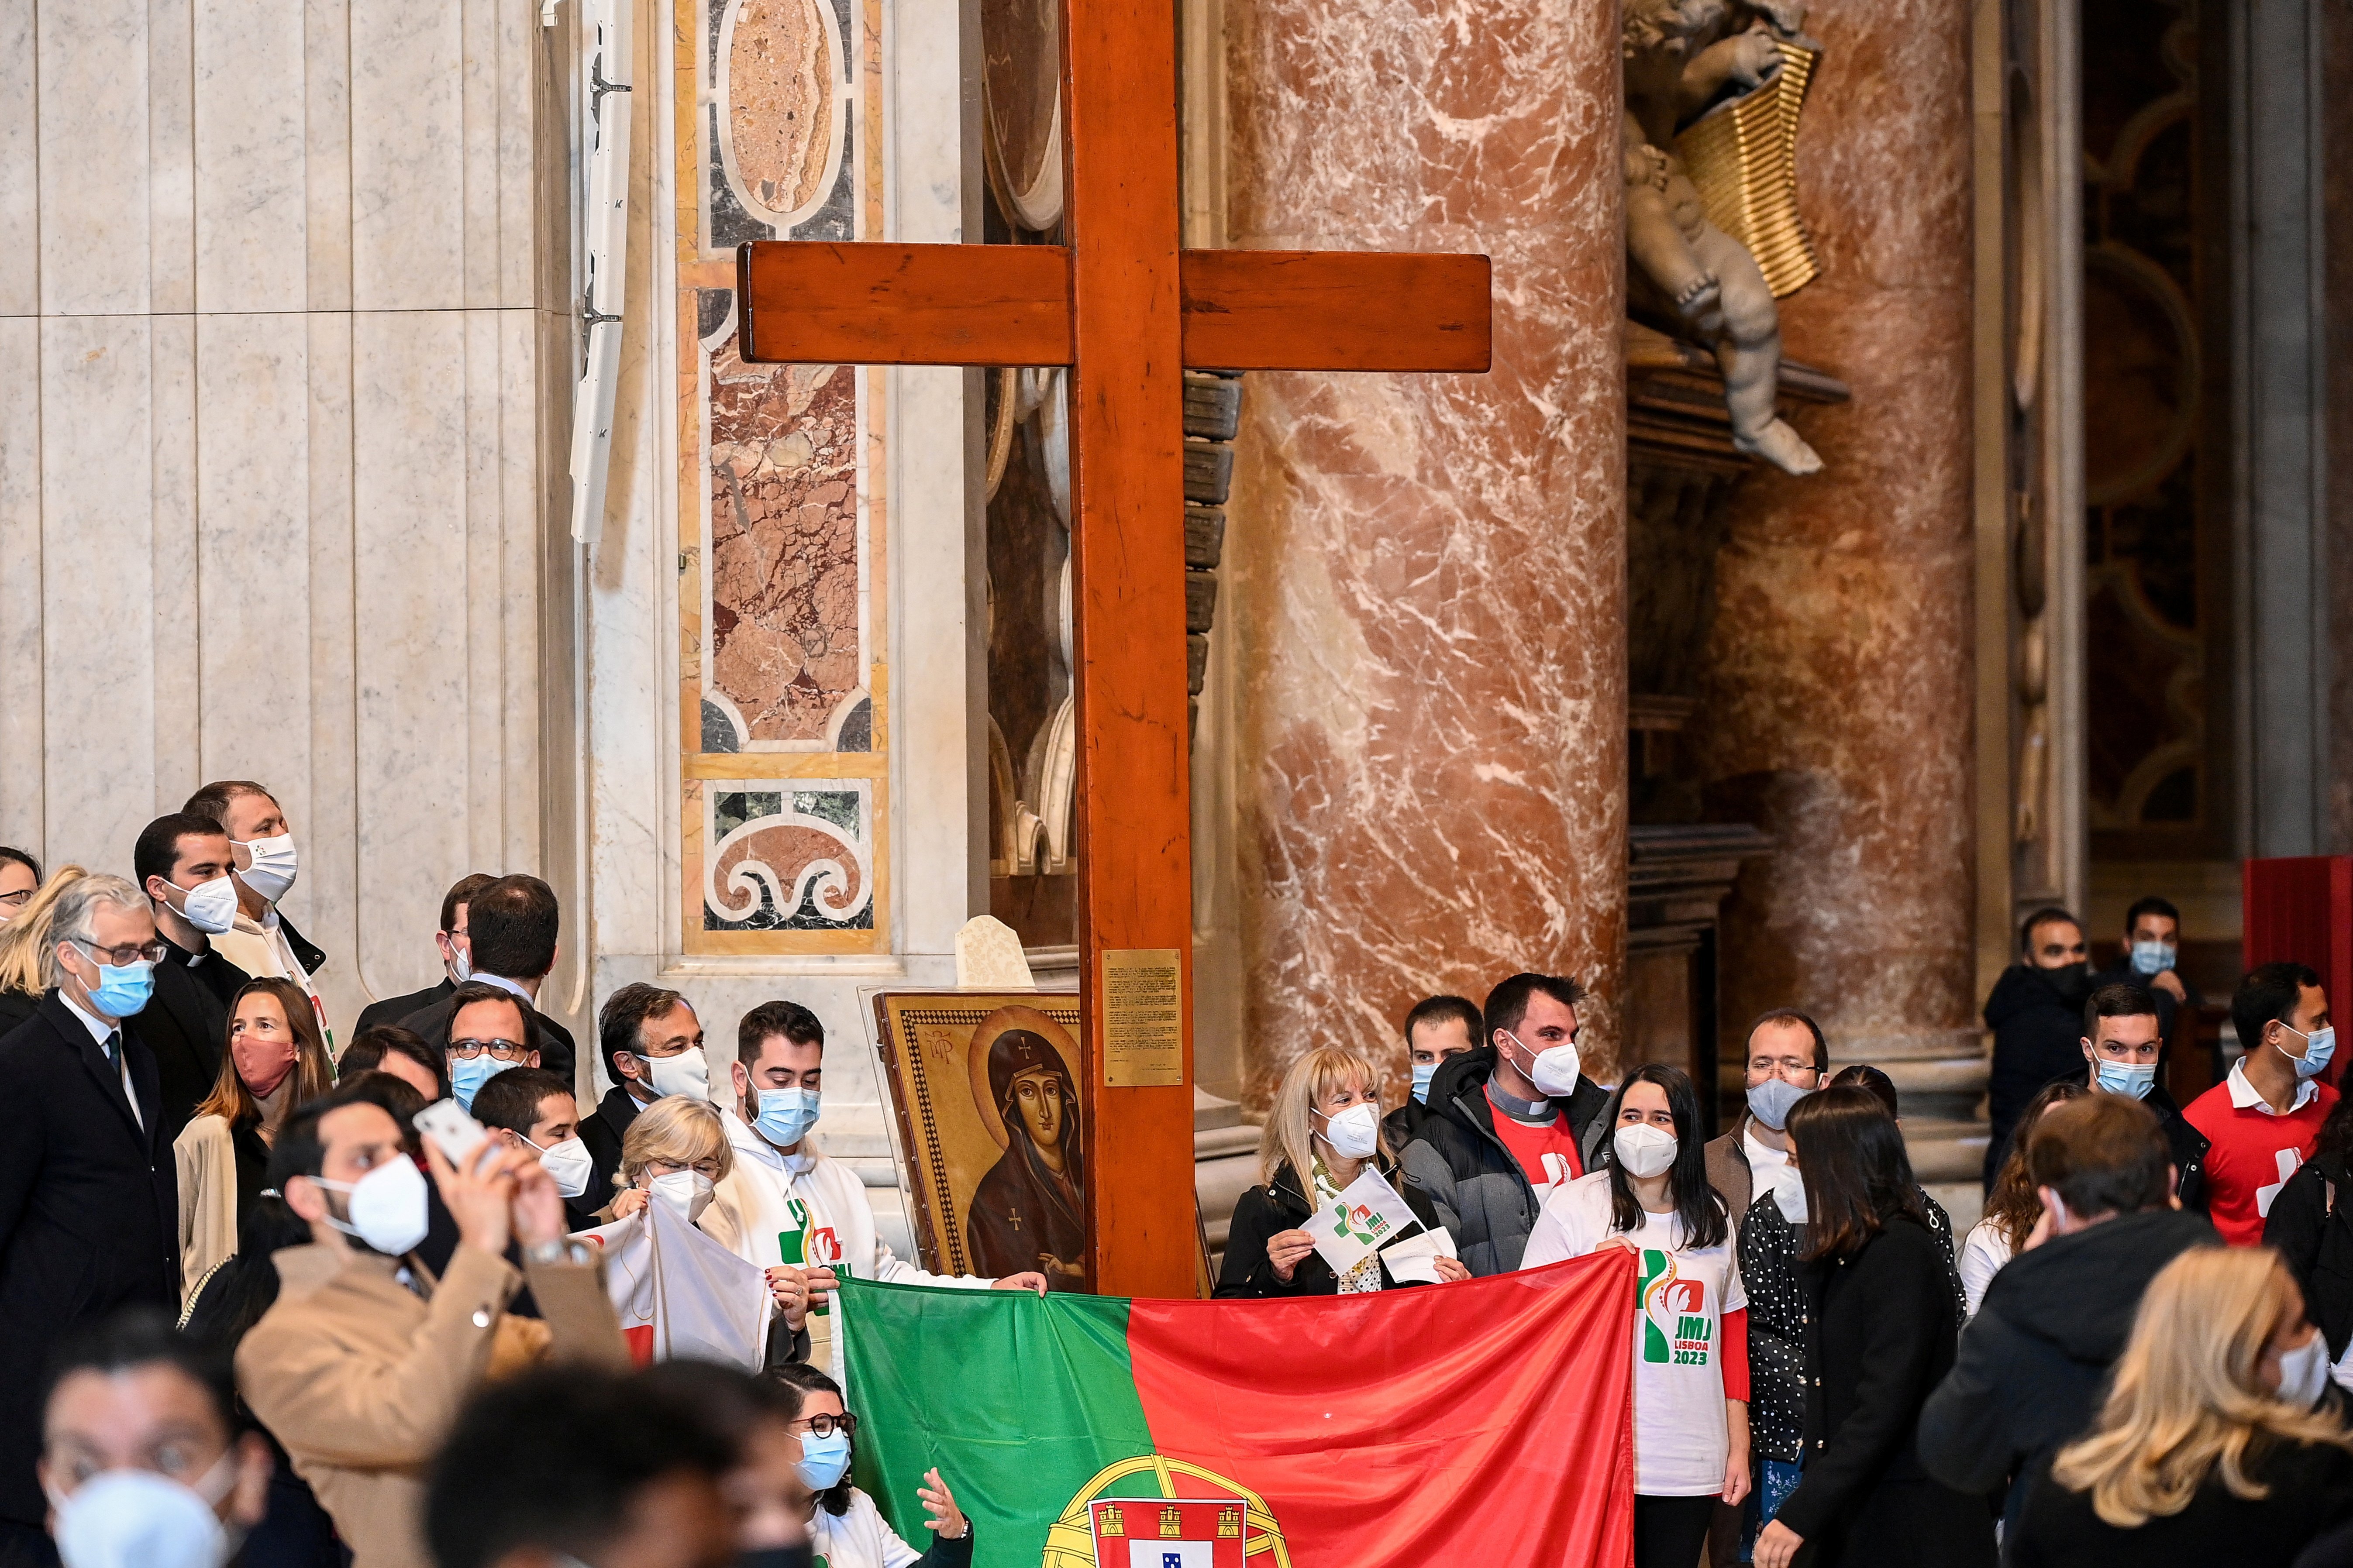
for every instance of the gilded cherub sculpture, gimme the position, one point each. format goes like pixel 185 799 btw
pixel 1681 57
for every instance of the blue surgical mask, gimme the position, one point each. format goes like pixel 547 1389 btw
pixel 2152 957
pixel 824 1461
pixel 786 1115
pixel 2318 1046
pixel 1769 1102
pixel 1422 1073
pixel 468 1074
pixel 121 992
pixel 2133 1079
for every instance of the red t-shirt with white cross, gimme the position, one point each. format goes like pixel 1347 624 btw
pixel 2255 1150
pixel 1547 1153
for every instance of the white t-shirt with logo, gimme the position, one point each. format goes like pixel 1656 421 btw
pixel 1681 1441
pixel 860 1538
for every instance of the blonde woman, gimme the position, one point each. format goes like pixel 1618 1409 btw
pixel 1324 1132
pixel 676 1151
pixel 2207 1448
pixel 274 1059
pixel 22 942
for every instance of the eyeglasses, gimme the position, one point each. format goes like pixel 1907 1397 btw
pixel 1792 1071
pixel 123 956
pixel 827 1425
pixel 501 1050
pixel 15 901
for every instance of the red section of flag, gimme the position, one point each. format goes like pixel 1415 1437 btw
pixel 1489 1422
pixel 641 1341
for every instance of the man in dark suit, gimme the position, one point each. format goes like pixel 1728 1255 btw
pixel 511 927
pixel 457 962
pixel 183 864
pixel 88 1194
pixel 652 1044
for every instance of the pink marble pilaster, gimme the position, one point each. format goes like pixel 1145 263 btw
pixel 1835 709
pixel 1426 572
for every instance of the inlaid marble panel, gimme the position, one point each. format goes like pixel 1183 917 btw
pixel 785 599
pixel 784 722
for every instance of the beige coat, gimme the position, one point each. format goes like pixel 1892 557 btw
pixel 207 1163
pixel 361 1379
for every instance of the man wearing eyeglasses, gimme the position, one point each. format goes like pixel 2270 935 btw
pixel 1787 1060
pixel 88 1194
pixel 491 1030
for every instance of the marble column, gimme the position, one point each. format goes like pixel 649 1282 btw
pixel 1426 572
pixel 1836 698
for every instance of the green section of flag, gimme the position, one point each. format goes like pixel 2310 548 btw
pixel 1019 1401
pixel 1654 1342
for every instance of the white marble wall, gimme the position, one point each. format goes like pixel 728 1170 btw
pixel 938 851
pixel 277 325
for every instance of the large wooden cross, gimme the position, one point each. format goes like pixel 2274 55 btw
pixel 1127 310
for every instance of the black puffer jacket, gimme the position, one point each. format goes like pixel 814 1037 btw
pixel 2053 1322
pixel 1266 1211
pixel 1477 1188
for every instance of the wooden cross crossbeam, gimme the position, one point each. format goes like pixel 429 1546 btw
pixel 1243 310
pixel 1127 310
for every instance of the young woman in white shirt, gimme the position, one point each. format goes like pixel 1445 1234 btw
pixel 2013 1206
pixel 1690 1331
pixel 846 1530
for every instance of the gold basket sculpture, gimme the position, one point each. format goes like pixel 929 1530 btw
pixel 1742 157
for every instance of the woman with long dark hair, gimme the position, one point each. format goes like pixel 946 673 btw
pixel 1652 1198
pixel 1880 1327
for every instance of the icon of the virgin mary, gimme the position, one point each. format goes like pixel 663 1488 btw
pixel 1029 1210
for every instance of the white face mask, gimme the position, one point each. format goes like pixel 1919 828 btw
pixel 569 1164
pixel 139 1519
pixel 687 1073
pixel 459 966
pixel 1355 1133
pixel 2303 1373
pixel 210 907
pixel 274 866
pixel 1554 1069
pixel 687 1192
pixel 387 1205
pixel 1643 1149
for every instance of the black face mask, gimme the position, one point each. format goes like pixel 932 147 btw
pixel 775 1557
pixel 2073 983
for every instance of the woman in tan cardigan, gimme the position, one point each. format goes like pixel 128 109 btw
pixel 274 1060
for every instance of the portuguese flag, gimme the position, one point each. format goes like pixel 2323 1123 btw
pixel 1487 1422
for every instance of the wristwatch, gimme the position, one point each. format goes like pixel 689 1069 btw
pixel 562 1249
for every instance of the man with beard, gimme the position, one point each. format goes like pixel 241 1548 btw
pixel 2036 1012
pixel 1028 1212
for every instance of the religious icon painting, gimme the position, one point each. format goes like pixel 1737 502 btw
pixel 986 1089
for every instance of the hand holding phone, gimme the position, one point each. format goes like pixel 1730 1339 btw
pixel 457 1134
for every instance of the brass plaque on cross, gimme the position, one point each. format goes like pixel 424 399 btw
pixel 1143 1017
